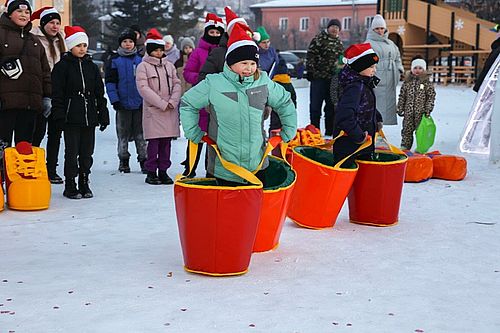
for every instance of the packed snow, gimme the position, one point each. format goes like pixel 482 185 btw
pixel 114 263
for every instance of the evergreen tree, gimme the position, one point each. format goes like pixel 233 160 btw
pixel 183 16
pixel 85 15
pixel 143 13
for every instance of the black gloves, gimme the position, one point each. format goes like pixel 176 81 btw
pixel 117 106
pixel 102 128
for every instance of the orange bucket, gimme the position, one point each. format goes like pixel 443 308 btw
pixel 321 187
pixel 2 202
pixel 375 196
pixel 280 181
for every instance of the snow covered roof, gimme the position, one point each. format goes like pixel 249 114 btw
pixel 311 3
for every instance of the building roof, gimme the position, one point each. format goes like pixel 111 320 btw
pixel 311 3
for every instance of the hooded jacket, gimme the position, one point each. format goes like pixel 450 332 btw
pixel 389 70
pixel 34 83
pixel 236 117
pixel 78 92
pixel 159 85
pixel 196 61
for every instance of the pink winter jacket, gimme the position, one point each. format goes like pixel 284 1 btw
pixel 194 64
pixel 159 85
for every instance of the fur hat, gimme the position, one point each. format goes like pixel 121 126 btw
pixel 334 22
pixel 419 62
pixel 75 35
pixel 378 22
pixel 12 5
pixel 45 15
pixel 127 34
pixel 186 41
pixel 154 41
pixel 241 46
pixel 360 56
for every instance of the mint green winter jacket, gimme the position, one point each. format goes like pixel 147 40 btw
pixel 236 111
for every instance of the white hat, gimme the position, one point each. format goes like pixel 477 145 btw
pixel 75 36
pixel 168 39
pixel 378 22
pixel 419 62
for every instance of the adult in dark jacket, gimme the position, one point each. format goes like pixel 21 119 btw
pixel 124 96
pixel 495 52
pixel 78 99
pixel 21 96
pixel 356 112
pixel 322 58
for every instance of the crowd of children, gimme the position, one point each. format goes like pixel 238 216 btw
pixel 220 91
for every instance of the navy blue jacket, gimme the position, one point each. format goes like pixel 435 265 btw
pixel 356 110
pixel 268 58
pixel 120 81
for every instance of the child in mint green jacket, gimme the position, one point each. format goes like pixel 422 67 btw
pixel 237 97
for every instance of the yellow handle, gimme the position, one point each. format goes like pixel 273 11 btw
pixel 329 145
pixel 366 144
pixel 393 148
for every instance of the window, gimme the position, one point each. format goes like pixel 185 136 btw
pixel 304 23
pixel 283 24
pixel 368 21
pixel 346 23
pixel 324 22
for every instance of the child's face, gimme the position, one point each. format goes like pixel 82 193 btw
pixel 370 71
pixel 265 44
pixel 187 49
pixel 214 32
pixel 244 68
pixel 417 70
pixel 128 44
pixel 158 53
pixel 20 17
pixel 80 50
pixel 380 30
pixel 53 27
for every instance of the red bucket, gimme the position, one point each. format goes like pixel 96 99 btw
pixel 280 181
pixel 217 225
pixel 376 193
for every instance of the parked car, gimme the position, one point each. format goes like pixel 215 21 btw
pixel 99 58
pixel 295 65
pixel 302 54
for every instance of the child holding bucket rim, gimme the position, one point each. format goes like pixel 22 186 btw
pixel 356 112
pixel 238 97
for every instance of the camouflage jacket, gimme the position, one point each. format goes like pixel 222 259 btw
pixel 322 56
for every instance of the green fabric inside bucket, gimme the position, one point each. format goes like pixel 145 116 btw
pixel 200 182
pixel 381 157
pixel 278 174
pixel 321 156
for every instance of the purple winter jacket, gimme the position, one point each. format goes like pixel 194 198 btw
pixel 195 62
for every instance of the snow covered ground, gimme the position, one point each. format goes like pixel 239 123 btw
pixel 114 263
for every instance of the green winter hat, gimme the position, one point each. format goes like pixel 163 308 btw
pixel 263 34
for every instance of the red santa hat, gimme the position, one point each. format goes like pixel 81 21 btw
pixel 232 19
pixel 45 15
pixel 360 56
pixel 154 40
pixel 75 35
pixel 241 46
pixel 12 5
pixel 212 21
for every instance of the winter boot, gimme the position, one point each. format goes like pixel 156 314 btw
pixel 70 190
pixel 83 186
pixel 124 166
pixel 152 178
pixel 164 178
pixel 54 178
pixel 143 169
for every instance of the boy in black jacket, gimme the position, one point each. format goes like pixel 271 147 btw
pixel 78 99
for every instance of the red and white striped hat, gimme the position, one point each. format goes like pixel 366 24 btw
pixel 360 56
pixel 154 37
pixel 241 46
pixel 75 36
pixel 45 15
pixel 232 19
pixel 212 20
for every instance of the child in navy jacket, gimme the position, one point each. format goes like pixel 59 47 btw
pixel 356 112
pixel 122 92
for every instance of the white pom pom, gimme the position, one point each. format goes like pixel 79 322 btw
pixel 256 36
pixel 344 60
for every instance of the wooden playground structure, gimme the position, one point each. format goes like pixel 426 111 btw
pixel 454 42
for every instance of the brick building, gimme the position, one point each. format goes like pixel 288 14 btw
pixel 293 23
